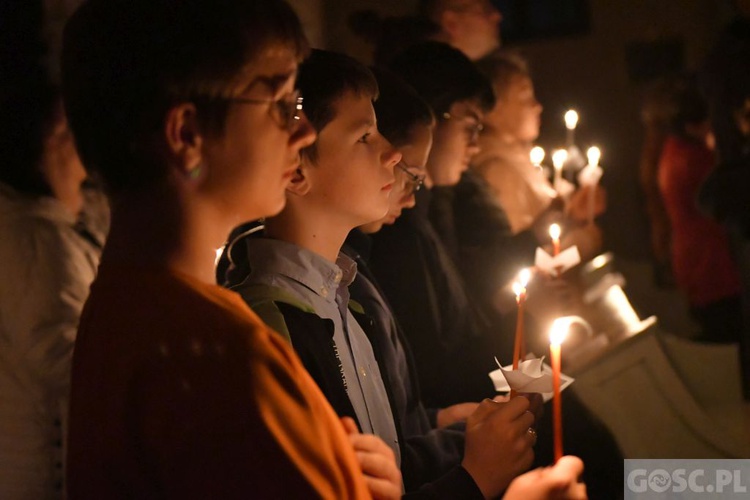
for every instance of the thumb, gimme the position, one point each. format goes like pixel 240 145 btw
pixel 350 427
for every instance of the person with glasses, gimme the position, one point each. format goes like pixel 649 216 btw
pixel 299 280
pixel 412 264
pixel 178 389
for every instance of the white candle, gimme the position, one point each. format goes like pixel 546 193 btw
pixel 558 161
pixel 594 154
pixel 537 156
pixel 571 119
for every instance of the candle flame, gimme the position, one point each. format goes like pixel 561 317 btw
pixel 559 157
pixel 594 154
pixel 536 155
pixel 524 276
pixel 571 119
pixel 554 231
pixel 561 327
pixel 519 287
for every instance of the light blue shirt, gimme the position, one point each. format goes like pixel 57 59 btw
pixel 324 286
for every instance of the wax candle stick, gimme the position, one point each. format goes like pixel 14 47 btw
pixel 519 347
pixel 519 288
pixel 571 121
pixel 554 233
pixel 593 154
pixel 557 334
pixel 558 161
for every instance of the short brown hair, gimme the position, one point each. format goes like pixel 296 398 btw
pixel 127 62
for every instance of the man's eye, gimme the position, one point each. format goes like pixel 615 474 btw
pixel 365 138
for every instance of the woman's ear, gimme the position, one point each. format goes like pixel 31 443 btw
pixel 300 183
pixel 184 140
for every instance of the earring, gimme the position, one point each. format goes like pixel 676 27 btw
pixel 195 172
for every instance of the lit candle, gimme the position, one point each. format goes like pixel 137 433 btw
pixel 593 154
pixel 554 233
pixel 519 288
pixel 557 334
pixel 571 121
pixel 519 348
pixel 558 160
pixel 537 156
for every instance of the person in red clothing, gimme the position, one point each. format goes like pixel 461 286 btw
pixel 701 260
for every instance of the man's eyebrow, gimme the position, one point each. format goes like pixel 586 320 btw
pixel 367 123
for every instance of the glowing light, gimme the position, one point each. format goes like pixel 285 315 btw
pixel 558 158
pixel 519 287
pixel 571 119
pixel 537 155
pixel 599 261
pixel 555 231
pixel 559 331
pixel 594 154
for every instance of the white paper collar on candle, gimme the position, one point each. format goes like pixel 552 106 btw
pixel 533 375
pixel 562 261
pixel 590 175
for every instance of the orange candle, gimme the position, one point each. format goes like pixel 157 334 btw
pixel 554 233
pixel 519 348
pixel 557 335
pixel 519 288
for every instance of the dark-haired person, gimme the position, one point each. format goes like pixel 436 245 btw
pixel 471 26
pixel 178 389
pixel 412 264
pixel 49 252
pixel 299 280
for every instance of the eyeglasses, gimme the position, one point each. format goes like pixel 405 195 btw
pixel 288 107
pixel 415 181
pixel 473 129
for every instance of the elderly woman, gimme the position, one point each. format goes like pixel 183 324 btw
pixel 49 253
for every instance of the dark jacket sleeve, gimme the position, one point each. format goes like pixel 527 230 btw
pixel 429 300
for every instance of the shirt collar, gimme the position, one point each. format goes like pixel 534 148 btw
pixel 322 277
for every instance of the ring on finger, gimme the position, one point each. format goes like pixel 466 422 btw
pixel 531 432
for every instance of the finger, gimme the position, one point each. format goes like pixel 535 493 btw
pixel 382 489
pixel 568 467
pixel 378 466
pixel 350 426
pixel 502 398
pixel 536 401
pixel 370 443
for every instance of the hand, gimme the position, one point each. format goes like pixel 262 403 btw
pixel 536 405
pixel 455 413
pixel 549 483
pixel 382 475
pixel 588 238
pixel 498 444
pixel 578 206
